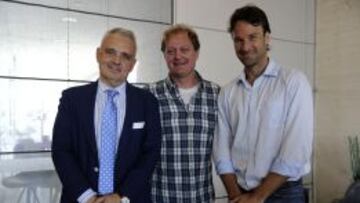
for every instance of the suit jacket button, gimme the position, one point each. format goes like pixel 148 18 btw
pixel 96 169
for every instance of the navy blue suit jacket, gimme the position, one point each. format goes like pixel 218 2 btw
pixel 74 149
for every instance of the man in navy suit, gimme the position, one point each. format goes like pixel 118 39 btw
pixel 77 130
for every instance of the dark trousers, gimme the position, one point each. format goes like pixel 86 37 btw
pixel 289 192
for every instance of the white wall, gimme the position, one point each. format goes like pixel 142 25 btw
pixel 293 38
pixel 337 95
pixel 292 23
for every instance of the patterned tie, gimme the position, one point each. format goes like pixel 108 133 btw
pixel 108 141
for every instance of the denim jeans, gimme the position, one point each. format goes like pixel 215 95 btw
pixel 290 192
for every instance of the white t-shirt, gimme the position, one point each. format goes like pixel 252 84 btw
pixel 187 93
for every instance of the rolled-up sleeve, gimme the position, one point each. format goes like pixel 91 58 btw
pixel 294 159
pixel 222 138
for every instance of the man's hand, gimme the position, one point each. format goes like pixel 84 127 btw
pixel 249 198
pixel 94 199
pixel 231 185
pixel 267 187
pixel 111 198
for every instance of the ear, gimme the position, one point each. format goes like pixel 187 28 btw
pixel 133 63
pixel 197 54
pixel 98 53
pixel 267 39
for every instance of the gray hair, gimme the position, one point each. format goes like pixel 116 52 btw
pixel 123 32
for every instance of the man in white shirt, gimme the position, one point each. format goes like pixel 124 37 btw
pixel 263 144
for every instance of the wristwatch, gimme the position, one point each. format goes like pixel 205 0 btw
pixel 125 200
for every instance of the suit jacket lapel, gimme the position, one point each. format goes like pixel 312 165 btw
pixel 127 127
pixel 89 107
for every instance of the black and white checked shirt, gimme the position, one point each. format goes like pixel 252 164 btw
pixel 184 172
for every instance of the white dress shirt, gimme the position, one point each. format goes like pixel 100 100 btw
pixel 100 101
pixel 267 127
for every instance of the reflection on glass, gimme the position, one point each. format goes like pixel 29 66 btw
pixel 60 46
pixel 27 110
pixel 35 181
pixel 32 49
pixel 154 10
pixel 83 42
pixel 57 3
pixel 63 44
pixel 150 62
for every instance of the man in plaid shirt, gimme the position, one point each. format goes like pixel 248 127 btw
pixel 188 110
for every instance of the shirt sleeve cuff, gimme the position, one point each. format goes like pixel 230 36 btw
pixel 84 197
pixel 291 170
pixel 224 166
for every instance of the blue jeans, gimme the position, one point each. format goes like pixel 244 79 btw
pixel 290 192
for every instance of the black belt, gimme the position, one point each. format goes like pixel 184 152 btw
pixel 292 183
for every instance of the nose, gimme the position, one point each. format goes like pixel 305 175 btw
pixel 117 59
pixel 245 46
pixel 177 54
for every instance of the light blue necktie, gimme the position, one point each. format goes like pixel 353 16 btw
pixel 108 144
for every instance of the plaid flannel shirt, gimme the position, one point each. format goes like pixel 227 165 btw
pixel 184 172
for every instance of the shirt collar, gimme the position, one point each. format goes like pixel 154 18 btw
pixel 120 88
pixel 173 87
pixel 272 70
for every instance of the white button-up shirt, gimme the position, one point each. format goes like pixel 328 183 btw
pixel 267 127
pixel 120 102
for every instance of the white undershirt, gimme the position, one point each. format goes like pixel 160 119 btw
pixel 187 93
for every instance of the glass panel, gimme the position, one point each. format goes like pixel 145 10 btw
pixel 34 181
pixel 150 64
pixel 97 6
pixel 83 41
pixel 63 44
pixel 55 43
pixel 56 3
pixel 27 110
pixel 154 10
pixel 32 49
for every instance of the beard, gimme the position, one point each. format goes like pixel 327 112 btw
pixel 251 59
pixel 248 61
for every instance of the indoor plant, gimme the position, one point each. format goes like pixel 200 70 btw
pixel 352 194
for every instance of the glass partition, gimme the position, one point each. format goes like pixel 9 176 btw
pixel 47 46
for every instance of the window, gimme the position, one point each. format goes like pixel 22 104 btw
pixel 49 45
